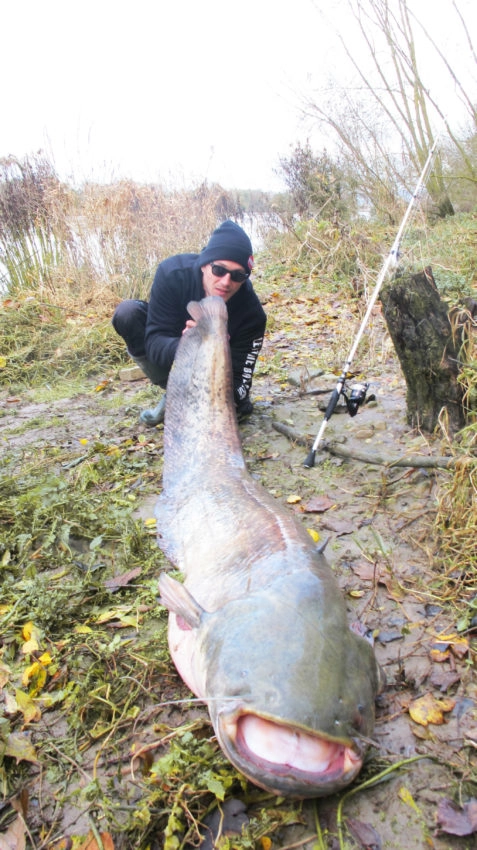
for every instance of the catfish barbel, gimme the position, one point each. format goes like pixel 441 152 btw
pixel 258 629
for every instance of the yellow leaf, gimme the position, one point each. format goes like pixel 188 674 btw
pixel 45 659
pixel 31 712
pixel 34 677
pixel 19 747
pixel 459 646
pixel 30 646
pixel 150 522
pixel 31 634
pixel 83 630
pixel 27 630
pixel 84 441
pixel 266 842
pixel 3 362
pixel 313 534
pixel 428 709
pixel 439 655
pixel 356 594
pixel 293 499
pixel 407 798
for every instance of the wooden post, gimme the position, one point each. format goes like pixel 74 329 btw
pixel 419 326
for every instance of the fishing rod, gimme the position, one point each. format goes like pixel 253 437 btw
pixel 358 392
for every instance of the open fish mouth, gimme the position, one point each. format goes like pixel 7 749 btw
pixel 286 759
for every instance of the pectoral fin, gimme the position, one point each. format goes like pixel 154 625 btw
pixel 176 598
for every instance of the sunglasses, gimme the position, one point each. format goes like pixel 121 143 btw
pixel 236 275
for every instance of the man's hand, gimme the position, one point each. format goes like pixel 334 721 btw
pixel 188 325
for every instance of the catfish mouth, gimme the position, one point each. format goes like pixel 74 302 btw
pixel 285 759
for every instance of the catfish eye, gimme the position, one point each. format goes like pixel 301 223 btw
pixel 358 718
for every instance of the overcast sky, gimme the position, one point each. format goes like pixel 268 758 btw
pixel 170 90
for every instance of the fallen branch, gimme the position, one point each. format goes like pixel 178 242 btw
pixel 336 449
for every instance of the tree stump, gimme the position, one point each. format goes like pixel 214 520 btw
pixel 419 326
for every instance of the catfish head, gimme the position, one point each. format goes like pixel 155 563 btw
pixel 289 687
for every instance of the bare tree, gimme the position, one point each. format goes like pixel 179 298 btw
pixel 393 90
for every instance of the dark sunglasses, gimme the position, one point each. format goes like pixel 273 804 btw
pixel 236 275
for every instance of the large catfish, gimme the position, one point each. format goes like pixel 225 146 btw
pixel 258 630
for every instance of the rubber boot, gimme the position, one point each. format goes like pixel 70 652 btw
pixel 155 374
pixel 154 415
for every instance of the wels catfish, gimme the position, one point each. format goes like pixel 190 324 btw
pixel 258 630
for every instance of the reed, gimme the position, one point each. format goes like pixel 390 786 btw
pixel 100 243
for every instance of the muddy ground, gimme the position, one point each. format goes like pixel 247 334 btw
pixel 379 522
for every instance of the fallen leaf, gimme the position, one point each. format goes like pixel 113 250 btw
pixel 440 653
pixel 30 646
pixel 428 709
pixel 121 581
pixel 364 833
pixel 35 677
pixel 459 646
pixel 19 747
pixel 83 630
pixel 31 712
pixel 150 522
pixel 313 534
pixel 92 844
pixel 455 820
pixel 112 614
pixel 4 674
pixel 14 837
pixel 293 499
pixel 444 679
pixel 31 634
pixel 318 505
pixel 405 795
pixel 20 802
pixel 339 526
pixel 366 571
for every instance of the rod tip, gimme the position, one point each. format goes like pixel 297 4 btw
pixel 310 460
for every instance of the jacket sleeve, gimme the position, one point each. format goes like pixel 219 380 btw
pixel 166 318
pixel 245 348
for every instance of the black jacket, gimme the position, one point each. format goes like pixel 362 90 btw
pixel 177 281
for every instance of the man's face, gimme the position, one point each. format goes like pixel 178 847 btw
pixel 217 285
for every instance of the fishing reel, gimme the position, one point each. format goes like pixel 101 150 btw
pixel 356 398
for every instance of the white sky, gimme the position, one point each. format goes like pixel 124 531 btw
pixel 170 90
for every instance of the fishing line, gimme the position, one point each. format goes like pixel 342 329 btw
pixel 358 392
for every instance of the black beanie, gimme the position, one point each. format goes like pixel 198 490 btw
pixel 228 242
